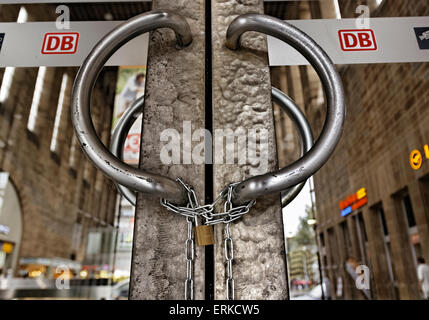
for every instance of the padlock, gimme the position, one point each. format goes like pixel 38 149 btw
pixel 204 235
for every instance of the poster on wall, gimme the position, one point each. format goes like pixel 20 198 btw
pixel 4 178
pixel 129 87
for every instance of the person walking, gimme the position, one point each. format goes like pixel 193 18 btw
pixel 423 276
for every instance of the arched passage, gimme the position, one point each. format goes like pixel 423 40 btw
pixel 10 225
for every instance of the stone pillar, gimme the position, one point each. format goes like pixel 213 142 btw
pixel 327 9
pixel 174 93
pixel 341 245
pixel 422 216
pixel 332 255
pixel 242 99
pixel 401 250
pixel 377 254
pixel 354 240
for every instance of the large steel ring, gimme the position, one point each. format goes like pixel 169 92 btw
pixel 121 173
pixel 313 160
pixel 286 104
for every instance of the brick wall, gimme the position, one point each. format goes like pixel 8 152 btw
pixel 387 117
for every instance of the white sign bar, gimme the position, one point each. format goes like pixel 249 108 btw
pixel 93 1
pixel 65 1
pixel 387 40
pixel 42 44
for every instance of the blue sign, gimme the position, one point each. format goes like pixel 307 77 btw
pixel 346 211
pixel 422 35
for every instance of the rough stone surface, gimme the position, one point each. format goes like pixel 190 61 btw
pixel 242 100
pixel 174 93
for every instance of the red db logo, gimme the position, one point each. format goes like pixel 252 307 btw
pixel 357 40
pixel 60 43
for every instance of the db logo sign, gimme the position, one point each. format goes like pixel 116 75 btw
pixel 357 40
pixel 60 43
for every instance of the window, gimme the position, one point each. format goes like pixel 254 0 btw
pixel 413 233
pixel 383 220
pixel 59 113
pixel 22 15
pixel 322 239
pixel 362 226
pixel 10 71
pixel 72 156
pixel 6 83
pixel 406 202
pixel 347 241
pixel 362 236
pixel 38 89
pixel 337 9
pixel 379 211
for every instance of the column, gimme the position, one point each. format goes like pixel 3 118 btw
pixel 175 93
pixel 401 250
pixel 421 215
pixel 377 255
pixel 242 99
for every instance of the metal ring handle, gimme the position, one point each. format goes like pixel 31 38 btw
pixel 119 137
pixel 305 133
pixel 312 161
pixel 287 105
pixel 98 154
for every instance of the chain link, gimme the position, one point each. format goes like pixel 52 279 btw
pixel 190 258
pixel 193 211
pixel 229 256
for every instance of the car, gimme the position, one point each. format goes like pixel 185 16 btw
pixel 314 294
pixel 120 290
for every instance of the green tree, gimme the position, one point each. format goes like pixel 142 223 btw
pixel 305 234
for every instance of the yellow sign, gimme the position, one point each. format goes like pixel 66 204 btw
pixel 361 193
pixel 7 247
pixel 416 159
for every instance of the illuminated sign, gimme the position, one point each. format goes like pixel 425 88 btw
pixel 353 202
pixel 4 229
pixel 7 247
pixel 416 158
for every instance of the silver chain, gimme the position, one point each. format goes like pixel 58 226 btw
pixel 190 257
pixel 192 211
pixel 229 256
